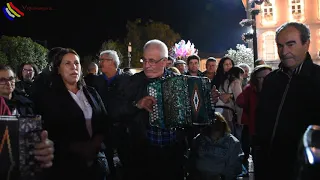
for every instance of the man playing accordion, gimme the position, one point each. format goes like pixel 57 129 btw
pixel 155 153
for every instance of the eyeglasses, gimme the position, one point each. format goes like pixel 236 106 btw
pixel 28 70
pixel 151 62
pixel 4 81
pixel 107 59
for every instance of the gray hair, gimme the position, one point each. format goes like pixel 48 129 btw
pixel 244 65
pixel 92 66
pixel 302 28
pixel 161 45
pixel 114 56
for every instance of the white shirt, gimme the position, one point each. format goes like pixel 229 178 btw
pixel 85 106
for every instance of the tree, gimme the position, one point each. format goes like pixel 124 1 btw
pixel 19 50
pixel 242 54
pixel 3 58
pixel 139 33
pixel 116 46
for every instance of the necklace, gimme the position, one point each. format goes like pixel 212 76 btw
pixel 6 137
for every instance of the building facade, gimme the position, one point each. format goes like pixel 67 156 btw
pixel 276 12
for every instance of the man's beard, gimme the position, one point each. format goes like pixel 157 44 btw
pixel 28 79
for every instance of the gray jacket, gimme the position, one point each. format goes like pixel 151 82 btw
pixel 221 158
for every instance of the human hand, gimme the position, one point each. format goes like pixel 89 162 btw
pixel 225 97
pixel 44 151
pixel 146 103
pixel 215 94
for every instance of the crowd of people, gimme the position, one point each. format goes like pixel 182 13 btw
pixel 96 127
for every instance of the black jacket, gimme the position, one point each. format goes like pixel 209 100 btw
pixel 66 125
pixel 24 87
pixel 130 91
pixel 111 94
pixel 287 105
pixel 22 104
pixel 89 79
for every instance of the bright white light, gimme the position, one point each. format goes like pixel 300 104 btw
pixel 310 156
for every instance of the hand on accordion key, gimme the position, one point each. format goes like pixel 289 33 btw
pixel 146 103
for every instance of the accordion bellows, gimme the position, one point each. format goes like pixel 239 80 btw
pixel 181 101
pixel 18 137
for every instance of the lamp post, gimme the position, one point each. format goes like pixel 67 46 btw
pixel 251 21
pixel 129 54
pixel 254 40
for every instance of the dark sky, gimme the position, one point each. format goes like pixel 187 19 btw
pixel 212 25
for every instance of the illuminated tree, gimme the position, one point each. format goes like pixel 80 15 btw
pixel 182 50
pixel 241 54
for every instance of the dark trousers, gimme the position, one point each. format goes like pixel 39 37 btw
pixel 245 144
pixel 275 166
pixel 156 163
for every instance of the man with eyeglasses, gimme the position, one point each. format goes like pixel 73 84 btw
pixel 26 74
pixel 20 105
pixel 155 153
pixel 107 85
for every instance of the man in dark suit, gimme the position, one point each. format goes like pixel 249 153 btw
pixel 92 74
pixel 288 104
pixel 107 86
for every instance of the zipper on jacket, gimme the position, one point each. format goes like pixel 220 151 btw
pixel 279 112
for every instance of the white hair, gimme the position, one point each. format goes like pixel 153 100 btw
pixel 113 55
pixel 244 65
pixel 161 45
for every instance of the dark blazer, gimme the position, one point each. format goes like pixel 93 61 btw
pixel 109 92
pixel 294 102
pixel 65 122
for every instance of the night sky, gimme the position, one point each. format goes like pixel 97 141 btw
pixel 212 25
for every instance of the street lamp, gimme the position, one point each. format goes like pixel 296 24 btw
pixel 251 21
pixel 129 54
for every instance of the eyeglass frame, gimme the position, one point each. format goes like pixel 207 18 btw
pixel 28 70
pixel 6 80
pixel 105 59
pixel 153 62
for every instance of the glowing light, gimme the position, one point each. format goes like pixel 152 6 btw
pixel 296 10
pixel 269 48
pixel 268 13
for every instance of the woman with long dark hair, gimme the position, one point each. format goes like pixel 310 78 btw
pixel 225 64
pixel 75 116
pixel 230 89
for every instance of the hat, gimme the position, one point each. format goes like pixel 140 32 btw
pixel 180 62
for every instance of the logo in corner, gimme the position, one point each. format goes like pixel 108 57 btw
pixel 10 11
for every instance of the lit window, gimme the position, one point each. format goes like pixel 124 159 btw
pixel 318 42
pixel 296 10
pixel 318 9
pixel 268 10
pixel 269 46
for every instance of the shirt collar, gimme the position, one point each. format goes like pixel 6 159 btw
pixel 109 80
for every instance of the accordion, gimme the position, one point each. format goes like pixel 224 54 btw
pixel 181 101
pixel 19 134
